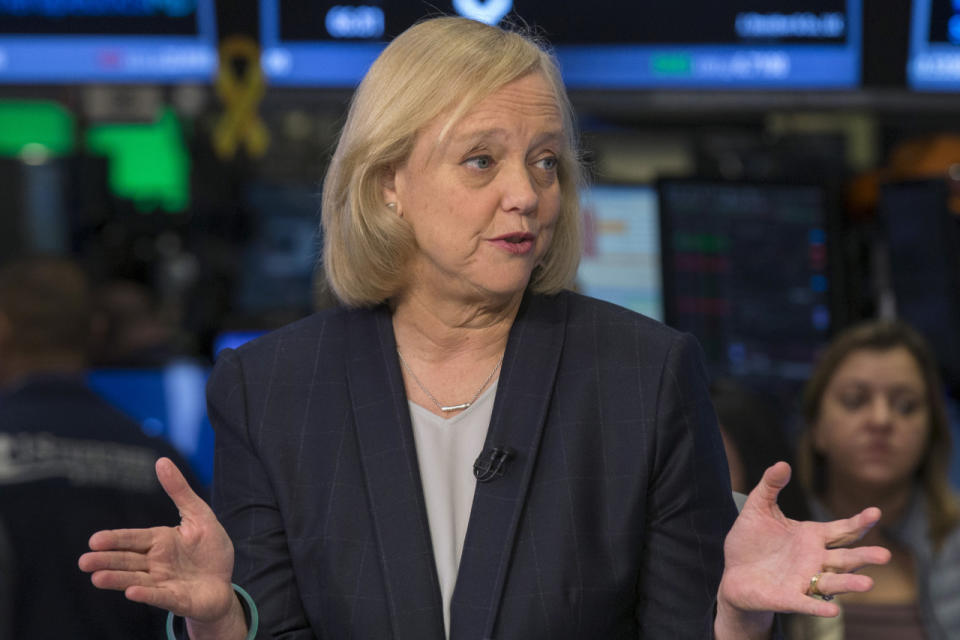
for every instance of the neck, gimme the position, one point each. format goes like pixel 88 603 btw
pixel 16 368
pixel 432 330
pixel 892 501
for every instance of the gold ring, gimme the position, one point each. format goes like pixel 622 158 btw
pixel 815 590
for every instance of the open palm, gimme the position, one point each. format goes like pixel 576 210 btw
pixel 771 559
pixel 185 569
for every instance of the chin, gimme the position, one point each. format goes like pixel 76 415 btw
pixel 882 479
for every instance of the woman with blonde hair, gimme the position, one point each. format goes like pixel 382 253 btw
pixel 466 449
pixel 876 433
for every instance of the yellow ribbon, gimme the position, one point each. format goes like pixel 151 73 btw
pixel 241 92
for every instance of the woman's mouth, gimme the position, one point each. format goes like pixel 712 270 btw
pixel 515 243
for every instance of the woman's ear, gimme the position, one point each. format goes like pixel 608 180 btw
pixel 388 186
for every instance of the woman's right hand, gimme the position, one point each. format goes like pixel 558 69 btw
pixel 185 569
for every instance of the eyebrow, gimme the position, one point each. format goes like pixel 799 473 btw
pixel 497 132
pixel 896 387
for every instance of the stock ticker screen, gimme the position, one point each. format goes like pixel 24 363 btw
pixel 737 44
pixel 71 41
pixel 933 62
pixel 621 247
pixel 746 270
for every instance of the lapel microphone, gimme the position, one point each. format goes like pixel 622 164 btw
pixel 491 463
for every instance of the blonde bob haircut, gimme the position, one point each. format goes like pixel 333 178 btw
pixel 932 474
pixel 438 66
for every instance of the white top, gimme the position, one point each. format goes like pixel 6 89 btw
pixel 446 451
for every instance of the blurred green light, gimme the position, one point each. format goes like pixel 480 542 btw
pixel 149 163
pixel 33 124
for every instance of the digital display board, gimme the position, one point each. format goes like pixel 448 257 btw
pixel 746 270
pixel 739 44
pixel 621 248
pixel 933 61
pixel 129 41
pixel 922 238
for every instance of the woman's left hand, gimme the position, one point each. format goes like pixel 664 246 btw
pixel 770 562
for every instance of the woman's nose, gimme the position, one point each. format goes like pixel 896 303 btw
pixel 520 193
pixel 881 413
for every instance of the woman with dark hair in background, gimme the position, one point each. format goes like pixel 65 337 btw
pixel 876 433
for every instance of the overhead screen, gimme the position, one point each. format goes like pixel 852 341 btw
pixel 933 62
pixel 131 41
pixel 746 269
pixel 604 44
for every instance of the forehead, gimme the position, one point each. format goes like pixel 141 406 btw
pixel 895 366
pixel 530 99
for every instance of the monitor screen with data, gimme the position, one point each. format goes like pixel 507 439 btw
pixel 621 252
pixel 747 270
pixel 604 44
pixel 124 41
pixel 933 59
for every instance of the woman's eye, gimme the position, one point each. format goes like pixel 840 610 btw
pixel 549 163
pixel 853 401
pixel 906 406
pixel 479 162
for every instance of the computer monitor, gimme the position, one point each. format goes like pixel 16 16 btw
pixel 747 269
pixel 605 44
pixel 933 58
pixel 135 41
pixel 923 245
pixel 621 252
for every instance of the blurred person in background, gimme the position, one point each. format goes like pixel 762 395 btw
pixel 754 439
pixel 129 328
pixel 876 433
pixel 69 464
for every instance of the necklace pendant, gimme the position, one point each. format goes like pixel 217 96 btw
pixel 455 407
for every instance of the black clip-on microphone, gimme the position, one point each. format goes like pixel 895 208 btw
pixel 491 463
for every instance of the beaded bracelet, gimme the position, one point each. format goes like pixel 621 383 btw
pixel 249 605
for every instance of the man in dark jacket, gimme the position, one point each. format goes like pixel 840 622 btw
pixel 70 464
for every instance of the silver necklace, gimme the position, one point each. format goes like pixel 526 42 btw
pixel 453 407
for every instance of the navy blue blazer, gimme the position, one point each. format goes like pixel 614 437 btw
pixel 608 523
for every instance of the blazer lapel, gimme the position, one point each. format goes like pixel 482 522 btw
pixel 389 462
pixel 520 409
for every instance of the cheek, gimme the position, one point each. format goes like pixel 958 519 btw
pixel 916 438
pixel 832 434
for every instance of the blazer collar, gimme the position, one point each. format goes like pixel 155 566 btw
pixel 394 489
pixel 519 413
pixel 388 457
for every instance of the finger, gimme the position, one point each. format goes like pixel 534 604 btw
pixel 839 533
pixel 774 479
pixel 139 540
pixel 187 502
pixel 155 596
pixel 813 607
pixel 833 584
pixel 120 580
pixel 113 560
pixel 848 560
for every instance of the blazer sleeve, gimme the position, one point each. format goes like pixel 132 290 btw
pixel 689 504
pixel 246 505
